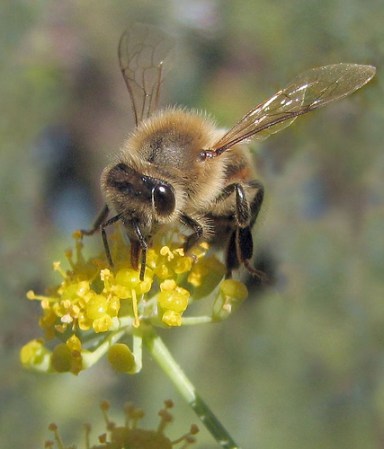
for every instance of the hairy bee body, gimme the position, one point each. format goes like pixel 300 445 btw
pixel 178 167
pixel 167 147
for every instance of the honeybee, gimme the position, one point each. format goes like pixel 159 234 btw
pixel 178 167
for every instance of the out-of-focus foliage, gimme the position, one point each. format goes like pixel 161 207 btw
pixel 300 364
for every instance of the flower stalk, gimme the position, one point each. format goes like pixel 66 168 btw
pixel 172 369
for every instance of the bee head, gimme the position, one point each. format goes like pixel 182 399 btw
pixel 128 190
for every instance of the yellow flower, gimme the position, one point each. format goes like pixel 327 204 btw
pixel 172 301
pixel 130 434
pixel 121 358
pixel 35 355
pixel 232 294
pixel 94 305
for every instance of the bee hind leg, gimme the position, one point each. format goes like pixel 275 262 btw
pixel 240 251
pixel 240 245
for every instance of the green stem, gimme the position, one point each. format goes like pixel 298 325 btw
pixel 163 357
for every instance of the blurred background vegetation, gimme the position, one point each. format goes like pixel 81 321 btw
pixel 301 364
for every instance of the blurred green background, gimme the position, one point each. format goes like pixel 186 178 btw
pixel 301 364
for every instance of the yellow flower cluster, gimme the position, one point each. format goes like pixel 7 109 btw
pixel 130 435
pixel 95 305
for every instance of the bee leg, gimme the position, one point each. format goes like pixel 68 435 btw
pixel 231 260
pixel 240 250
pixel 242 242
pixel 197 234
pixel 240 245
pixel 98 222
pixel 104 236
pixel 139 246
pixel 257 200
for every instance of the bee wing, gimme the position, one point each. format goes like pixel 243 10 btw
pixel 143 51
pixel 310 90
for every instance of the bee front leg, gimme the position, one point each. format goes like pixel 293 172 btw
pixel 101 218
pixel 104 236
pixel 139 246
pixel 100 224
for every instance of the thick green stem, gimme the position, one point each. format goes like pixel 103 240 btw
pixel 163 357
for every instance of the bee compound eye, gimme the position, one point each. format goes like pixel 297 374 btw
pixel 163 199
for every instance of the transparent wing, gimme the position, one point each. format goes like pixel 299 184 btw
pixel 310 90
pixel 143 52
